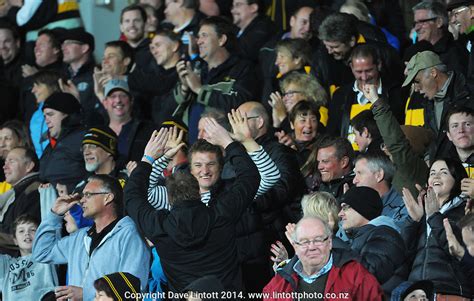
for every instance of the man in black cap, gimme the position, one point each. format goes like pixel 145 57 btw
pixel 372 236
pixel 62 161
pixel 78 48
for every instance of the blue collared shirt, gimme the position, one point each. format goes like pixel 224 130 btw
pixel 298 268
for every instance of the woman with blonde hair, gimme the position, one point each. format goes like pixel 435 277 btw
pixel 317 204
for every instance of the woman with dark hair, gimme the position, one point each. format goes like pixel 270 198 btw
pixel 424 233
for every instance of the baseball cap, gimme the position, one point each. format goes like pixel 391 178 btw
pixel 420 61
pixel 116 84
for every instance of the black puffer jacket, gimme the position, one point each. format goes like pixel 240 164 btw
pixel 431 258
pixel 382 251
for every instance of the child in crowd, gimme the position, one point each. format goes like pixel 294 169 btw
pixel 20 277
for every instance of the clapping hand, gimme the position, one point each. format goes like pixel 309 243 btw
pixel 455 248
pixel 414 207
pixel 278 108
pixel 431 202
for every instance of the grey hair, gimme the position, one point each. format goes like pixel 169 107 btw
pixel 379 161
pixel 436 9
pixel 441 68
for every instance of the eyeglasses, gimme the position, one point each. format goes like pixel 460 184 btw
pixel 88 195
pixel 252 117
pixel 345 207
pixel 423 21
pixel 290 93
pixel 238 4
pixel 317 242
pixel 88 147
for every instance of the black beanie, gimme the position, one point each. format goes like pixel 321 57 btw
pixel 364 200
pixel 122 282
pixel 62 102
pixel 102 136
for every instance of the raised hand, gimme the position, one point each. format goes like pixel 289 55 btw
pixel 28 70
pixel 455 248
pixel 285 139
pixel 290 229
pixel 156 145
pixel 370 92
pixel 280 252
pixel 193 80
pixel 64 203
pixel 240 126
pixel 217 135
pixel 175 142
pixel 100 78
pixel 414 207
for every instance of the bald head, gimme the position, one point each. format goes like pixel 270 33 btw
pixel 258 117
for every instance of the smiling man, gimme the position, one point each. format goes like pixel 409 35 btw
pixel 431 24
pixel 335 156
pixel 444 89
pixel 21 171
pixel 132 133
pixel 224 81
pixel 348 101
pixel 317 268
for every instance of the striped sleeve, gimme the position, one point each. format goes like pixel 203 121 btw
pixel 157 194
pixel 267 169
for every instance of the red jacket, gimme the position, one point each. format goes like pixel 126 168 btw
pixel 347 280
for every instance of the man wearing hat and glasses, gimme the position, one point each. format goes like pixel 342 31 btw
pixel 373 237
pixel 444 89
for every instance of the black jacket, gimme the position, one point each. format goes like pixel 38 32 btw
pixel 457 94
pixel 64 163
pixel 138 134
pixel 382 252
pixel 84 81
pixel 340 106
pixel 194 240
pixel 159 85
pixel 254 36
pixel 430 256
pixel 224 87
pixel 27 201
pixel 336 186
pixel 452 54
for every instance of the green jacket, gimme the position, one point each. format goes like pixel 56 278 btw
pixel 411 169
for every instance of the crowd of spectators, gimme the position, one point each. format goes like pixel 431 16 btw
pixel 238 149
